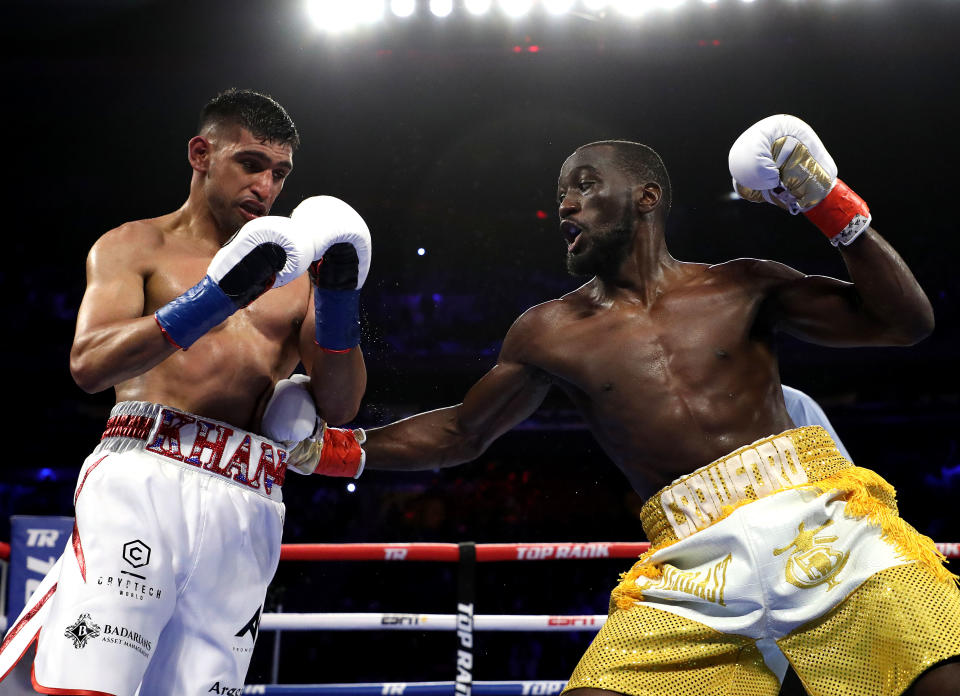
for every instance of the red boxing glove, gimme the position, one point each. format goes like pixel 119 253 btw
pixel 337 452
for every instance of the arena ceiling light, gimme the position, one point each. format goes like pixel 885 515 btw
pixel 595 5
pixel 441 8
pixel 403 8
pixel 558 7
pixel 478 7
pixel 369 11
pixel 665 4
pixel 632 8
pixel 330 16
pixel 516 8
pixel 334 16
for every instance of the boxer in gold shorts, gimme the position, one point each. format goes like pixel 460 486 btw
pixel 769 547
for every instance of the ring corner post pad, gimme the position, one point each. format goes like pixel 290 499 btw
pixel 466 595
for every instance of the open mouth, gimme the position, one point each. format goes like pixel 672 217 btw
pixel 571 233
pixel 252 209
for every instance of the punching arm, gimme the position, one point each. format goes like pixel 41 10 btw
pixel 508 394
pixel 504 397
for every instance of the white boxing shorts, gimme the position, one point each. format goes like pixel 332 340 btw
pixel 780 553
pixel 160 590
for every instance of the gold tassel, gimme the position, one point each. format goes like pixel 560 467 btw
pixel 868 496
pixel 626 594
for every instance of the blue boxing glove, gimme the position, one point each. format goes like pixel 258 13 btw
pixel 265 253
pixel 342 251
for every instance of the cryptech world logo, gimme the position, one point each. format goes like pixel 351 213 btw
pixel 136 554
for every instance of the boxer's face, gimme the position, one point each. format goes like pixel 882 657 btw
pixel 244 176
pixel 596 212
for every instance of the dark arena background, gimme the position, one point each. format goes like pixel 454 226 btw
pixel 447 134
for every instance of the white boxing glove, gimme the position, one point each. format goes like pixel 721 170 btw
pixel 291 415
pixel 266 252
pixel 291 419
pixel 781 160
pixel 342 250
pixel 262 233
pixel 332 221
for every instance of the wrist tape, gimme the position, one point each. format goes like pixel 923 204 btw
pixel 186 318
pixel 842 216
pixel 338 319
pixel 341 454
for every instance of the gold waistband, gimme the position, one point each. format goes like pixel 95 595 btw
pixel 694 502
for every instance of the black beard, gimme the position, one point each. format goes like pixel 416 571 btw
pixel 606 253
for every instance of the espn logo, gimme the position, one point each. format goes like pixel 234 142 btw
pixel 401 620
pixel 572 621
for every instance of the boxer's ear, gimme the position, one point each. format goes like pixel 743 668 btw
pixel 646 197
pixel 198 153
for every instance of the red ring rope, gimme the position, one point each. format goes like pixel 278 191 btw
pixel 485 552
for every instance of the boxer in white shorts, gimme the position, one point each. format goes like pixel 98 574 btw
pixel 177 535
pixel 192 318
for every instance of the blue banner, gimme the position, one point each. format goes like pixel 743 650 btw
pixel 35 545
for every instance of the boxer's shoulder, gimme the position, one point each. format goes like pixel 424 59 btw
pixel 760 273
pixel 535 329
pixel 137 233
pixel 546 318
pixel 131 246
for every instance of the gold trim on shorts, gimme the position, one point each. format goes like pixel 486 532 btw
pixel 804 457
pixel 694 502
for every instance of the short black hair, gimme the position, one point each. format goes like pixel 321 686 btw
pixel 259 113
pixel 640 161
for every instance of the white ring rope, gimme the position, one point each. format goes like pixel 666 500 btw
pixel 373 621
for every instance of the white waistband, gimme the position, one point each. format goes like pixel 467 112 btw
pixel 253 462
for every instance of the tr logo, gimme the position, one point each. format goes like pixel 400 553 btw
pixel 136 553
pixel 42 537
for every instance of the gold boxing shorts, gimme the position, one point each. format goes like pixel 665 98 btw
pixel 781 553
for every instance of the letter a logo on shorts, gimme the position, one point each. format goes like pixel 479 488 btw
pixel 252 627
pixel 82 631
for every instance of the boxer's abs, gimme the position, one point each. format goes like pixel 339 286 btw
pixel 221 376
pixel 656 438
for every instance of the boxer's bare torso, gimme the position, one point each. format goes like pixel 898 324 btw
pixel 669 386
pixel 670 363
pixel 226 374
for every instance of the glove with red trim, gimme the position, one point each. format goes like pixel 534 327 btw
pixel 291 419
pixel 781 160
